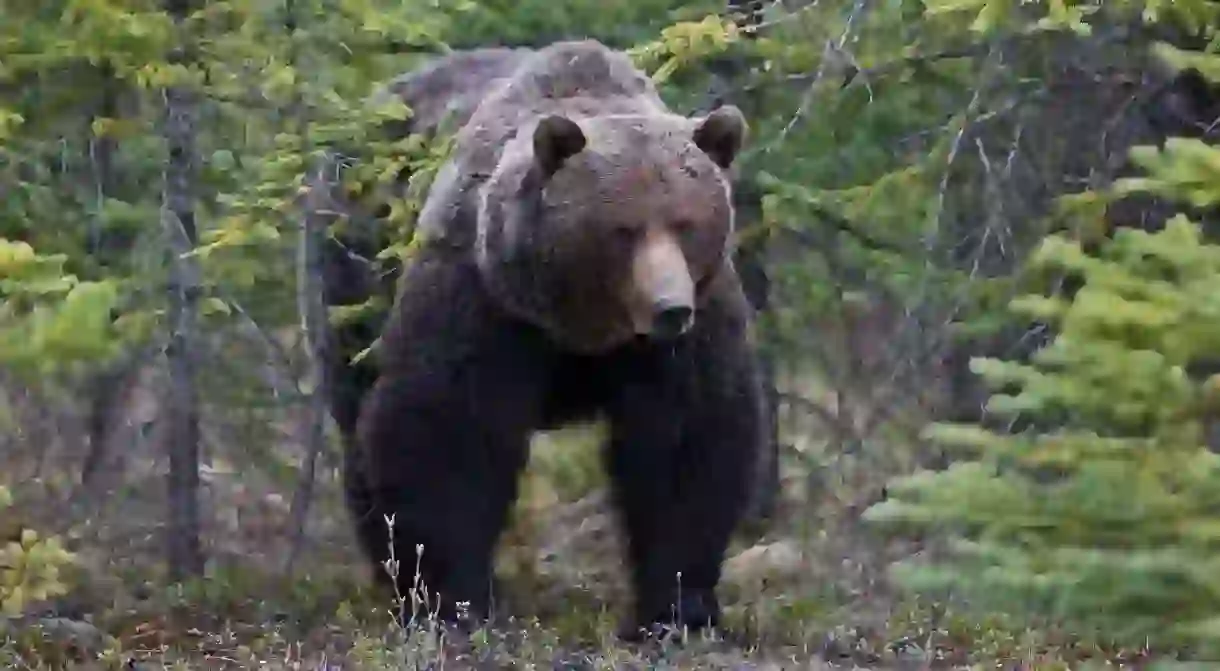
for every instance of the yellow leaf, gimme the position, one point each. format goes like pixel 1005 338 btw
pixel 213 305
pixel 102 127
pixel 991 16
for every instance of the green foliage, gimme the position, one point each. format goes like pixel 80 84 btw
pixel 1103 517
pixel 622 23
pixel 684 43
pixel 30 567
pixel 50 320
pixel 841 193
pixel 81 155
pixel 1108 522
pixel 1104 520
pixel 990 16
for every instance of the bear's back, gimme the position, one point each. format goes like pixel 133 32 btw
pixel 450 88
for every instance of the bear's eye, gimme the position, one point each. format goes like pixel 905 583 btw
pixel 682 226
pixel 624 232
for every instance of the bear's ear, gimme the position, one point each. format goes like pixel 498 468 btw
pixel 556 139
pixel 721 134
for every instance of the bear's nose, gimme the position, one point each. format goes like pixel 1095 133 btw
pixel 670 320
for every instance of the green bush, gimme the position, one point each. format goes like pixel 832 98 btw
pixel 30 567
pixel 1108 523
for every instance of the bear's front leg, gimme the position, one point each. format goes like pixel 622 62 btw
pixel 443 437
pixel 686 431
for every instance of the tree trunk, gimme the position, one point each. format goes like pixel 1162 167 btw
pixel 184 553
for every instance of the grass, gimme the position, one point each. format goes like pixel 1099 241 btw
pixel 809 592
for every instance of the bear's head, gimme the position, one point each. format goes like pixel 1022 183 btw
pixel 603 229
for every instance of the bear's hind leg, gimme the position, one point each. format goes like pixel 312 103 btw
pixel 370 529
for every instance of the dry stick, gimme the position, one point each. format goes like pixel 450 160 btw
pixel 311 306
pixel 277 371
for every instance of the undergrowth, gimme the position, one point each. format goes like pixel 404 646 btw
pixel 809 593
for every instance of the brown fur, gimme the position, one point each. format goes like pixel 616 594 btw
pixel 448 90
pixel 575 204
pixel 639 176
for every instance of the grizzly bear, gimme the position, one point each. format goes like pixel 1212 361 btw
pixel 573 263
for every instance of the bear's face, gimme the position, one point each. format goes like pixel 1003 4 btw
pixel 607 229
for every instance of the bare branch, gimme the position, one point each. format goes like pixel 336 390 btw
pixel 319 213
pixel 311 304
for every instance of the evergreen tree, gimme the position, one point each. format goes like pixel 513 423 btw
pixel 1103 519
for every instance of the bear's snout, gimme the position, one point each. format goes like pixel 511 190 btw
pixel 663 287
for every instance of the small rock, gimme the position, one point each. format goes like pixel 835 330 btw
pixel 73 633
pixel 764 562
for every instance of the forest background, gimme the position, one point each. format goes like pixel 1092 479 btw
pixel 979 234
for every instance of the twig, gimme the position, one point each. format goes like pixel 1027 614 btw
pixel 311 307
pixel 833 53
pixel 281 388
